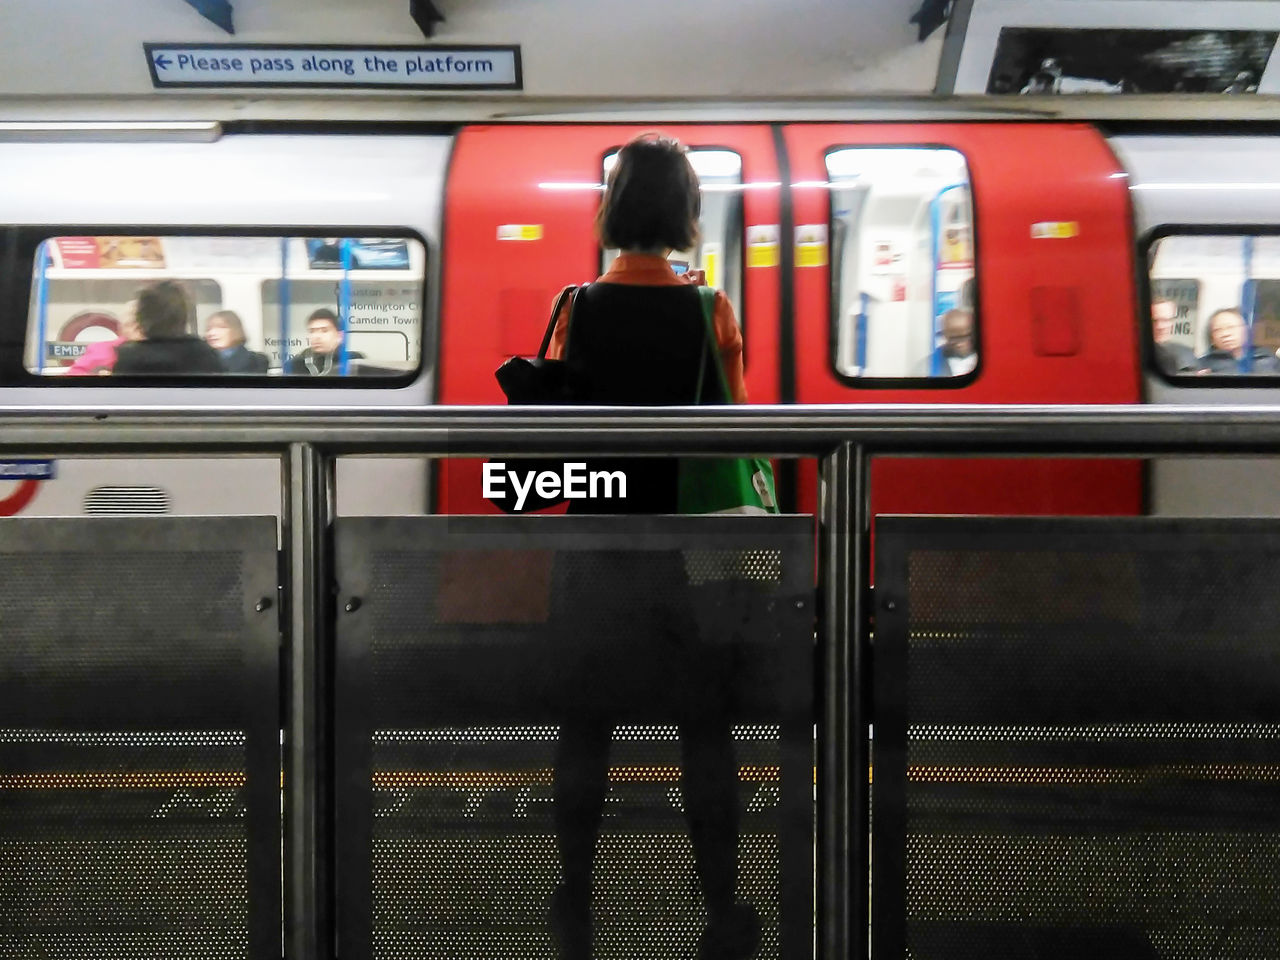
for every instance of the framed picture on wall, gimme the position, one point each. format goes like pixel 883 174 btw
pixel 1064 47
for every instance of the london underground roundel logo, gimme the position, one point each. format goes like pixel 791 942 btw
pixel 20 481
pixel 16 494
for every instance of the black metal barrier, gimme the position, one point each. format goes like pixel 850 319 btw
pixel 476 658
pixel 49 907
pixel 1077 739
pixel 139 738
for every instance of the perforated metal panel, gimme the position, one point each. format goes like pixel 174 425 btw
pixel 139 739
pixel 471 641
pixel 1077 739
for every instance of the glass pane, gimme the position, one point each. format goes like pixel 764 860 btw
pixel 226 306
pixel 719 250
pixel 902 262
pixel 1215 305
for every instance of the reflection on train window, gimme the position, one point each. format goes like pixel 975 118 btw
pixel 1215 305
pixel 220 305
pixel 719 250
pixel 902 263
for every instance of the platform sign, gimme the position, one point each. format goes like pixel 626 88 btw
pixel 64 349
pixel 27 469
pixel 328 66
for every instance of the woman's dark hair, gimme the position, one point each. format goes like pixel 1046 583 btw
pixel 163 310
pixel 231 320
pixel 652 197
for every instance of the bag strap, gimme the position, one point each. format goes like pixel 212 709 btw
pixel 706 345
pixel 707 298
pixel 570 294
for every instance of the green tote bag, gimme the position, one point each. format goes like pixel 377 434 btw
pixel 726 485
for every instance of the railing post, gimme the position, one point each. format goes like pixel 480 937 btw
pixel 306 488
pixel 843 761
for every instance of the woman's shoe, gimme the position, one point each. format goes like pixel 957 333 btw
pixel 569 918
pixel 735 935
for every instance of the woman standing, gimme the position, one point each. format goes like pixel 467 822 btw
pixel 637 337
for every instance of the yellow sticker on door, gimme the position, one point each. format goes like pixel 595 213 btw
pixel 811 245
pixel 762 245
pixel 520 231
pixel 711 263
pixel 1055 230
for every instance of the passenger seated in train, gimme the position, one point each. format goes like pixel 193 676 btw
pixel 1171 357
pixel 1228 347
pixel 324 343
pixel 165 345
pixel 957 354
pixel 225 333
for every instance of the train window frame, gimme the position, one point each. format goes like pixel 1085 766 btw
pixel 20 242
pixel 833 339
pixel 739 233
pixel 1143 262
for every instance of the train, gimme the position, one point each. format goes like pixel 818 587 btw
pixel 844 244
pixel 917 255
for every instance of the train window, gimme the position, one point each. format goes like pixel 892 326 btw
pixel 268 305
pixel 1215 304
pixel 719 250
pixel 902 264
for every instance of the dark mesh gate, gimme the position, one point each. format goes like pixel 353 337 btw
pixel 139 739
pixel 1077 739
pixel 462 642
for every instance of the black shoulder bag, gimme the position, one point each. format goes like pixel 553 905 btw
pixel 529 381
pixel 537 381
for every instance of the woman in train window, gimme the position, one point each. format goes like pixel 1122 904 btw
pixel 225 333
pixel 637 336
pixel 1229 350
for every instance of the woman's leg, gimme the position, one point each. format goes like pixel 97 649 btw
pixel 581 779
pixel 711 801
pixel 710 785
pixel 710 782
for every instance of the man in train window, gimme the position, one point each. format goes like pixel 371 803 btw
pixel 1171 357
pixel 957 353
pixel 1229 348
pixel 324 347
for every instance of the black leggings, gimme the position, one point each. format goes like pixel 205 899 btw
pixel 659 662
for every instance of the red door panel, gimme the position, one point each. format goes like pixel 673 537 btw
pixel 518 227
pixel 1055 315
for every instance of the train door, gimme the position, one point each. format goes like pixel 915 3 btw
pixel 518 228
pixel 1206 211
pixel 967 264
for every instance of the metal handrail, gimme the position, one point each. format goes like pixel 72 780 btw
pixel 777 430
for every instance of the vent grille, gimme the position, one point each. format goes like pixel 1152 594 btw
pixel 125 501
